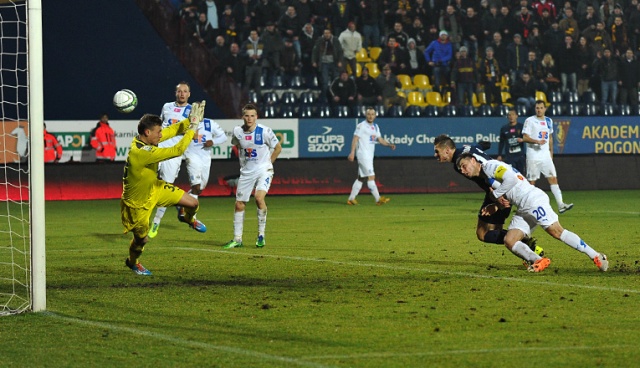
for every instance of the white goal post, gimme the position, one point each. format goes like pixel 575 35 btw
pixel 22 216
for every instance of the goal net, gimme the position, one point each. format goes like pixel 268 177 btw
pixel 21 158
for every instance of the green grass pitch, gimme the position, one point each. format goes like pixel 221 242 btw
pixel 406 284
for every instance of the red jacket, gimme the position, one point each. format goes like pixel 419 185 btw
pixel 52 149
pixel 104 142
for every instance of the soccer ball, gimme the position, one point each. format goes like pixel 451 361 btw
pixel 125 100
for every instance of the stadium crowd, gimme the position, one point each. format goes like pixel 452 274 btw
pixel 358 52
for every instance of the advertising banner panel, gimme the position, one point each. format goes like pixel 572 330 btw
pixel 618 135
pixel 327 138
pixel 74 137
pixel 321 138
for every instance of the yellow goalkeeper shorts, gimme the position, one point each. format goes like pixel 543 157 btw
pixel 137 219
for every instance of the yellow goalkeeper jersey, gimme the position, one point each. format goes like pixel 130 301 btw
pixel 140 179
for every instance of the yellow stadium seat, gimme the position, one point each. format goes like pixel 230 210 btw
pixel 416 98
pixel 405 81
pixel 542 96
pixel 362 57
pixel 374 53
pixel 434 98
pixel 504 82
pixel 374 72
pixel 358 69
pixel 479 99
pixel 446 98
pixel 506 96
pixel 421 82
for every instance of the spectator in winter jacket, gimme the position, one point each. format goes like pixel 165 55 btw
pixel 103 140
pixel 369 92
pixel 416 62
pixel 463 77
pixel 343 90
pixel 394 56
pixel 629 79
pixel 351 42
pixel 568 64
pixel 451 22
pixel 272 50
pixel 524 90
pixel 252 50
pixel 388 83
pixel 489 75
pixel 517 54
pixel 327 57
pixel 607 68
pixel 438 55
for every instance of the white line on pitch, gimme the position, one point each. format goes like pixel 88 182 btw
pixel 469 351
pixel 397 268
pixel 187 343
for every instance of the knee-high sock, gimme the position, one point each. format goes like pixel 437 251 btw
pixel 374 189
pixel 262 221
pixel 573 240
pixel 495 236
pixel 557 194
pixel 521 250
pixel 135 251
pixel 159 214
pixel 355 189
pixel 238 225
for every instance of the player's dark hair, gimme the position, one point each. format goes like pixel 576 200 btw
pixel 148 121
pixel 462 157
pixel 444 140
pixel 539 102
pixel 249 106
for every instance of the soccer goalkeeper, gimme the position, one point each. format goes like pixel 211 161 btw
pixel 141 188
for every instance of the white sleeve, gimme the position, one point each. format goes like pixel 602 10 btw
pixel 501 173
pixel 219 136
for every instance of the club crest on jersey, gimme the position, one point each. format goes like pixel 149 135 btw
pixel 258 137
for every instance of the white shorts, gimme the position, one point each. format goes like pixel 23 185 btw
pixel 169 169
pixel 198 169
pixel 535 211
pixel 260 181
pixel 365 167
pixel 537 167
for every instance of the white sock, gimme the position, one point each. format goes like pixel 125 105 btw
pixel 193 195
pixel 374 189
pixel 355 189
pixel 573 240
pixel 557 193
pixel 523 251
pixel 159 214
pixel 238 226
pixel 262 221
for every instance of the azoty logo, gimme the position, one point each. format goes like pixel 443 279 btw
pixel 326 142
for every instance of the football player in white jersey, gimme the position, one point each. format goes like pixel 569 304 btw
pixel 533 209
pixel 198 154
pixel 258 148
pixel 537 133
pixel 363 146
pixel 172 113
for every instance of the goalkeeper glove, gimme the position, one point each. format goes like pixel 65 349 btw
pixel 196 115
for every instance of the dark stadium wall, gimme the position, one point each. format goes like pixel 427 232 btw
pixel 78 181
pixel 93 48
